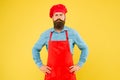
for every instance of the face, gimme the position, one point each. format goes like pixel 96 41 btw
pixel 58 20
pixel 58 15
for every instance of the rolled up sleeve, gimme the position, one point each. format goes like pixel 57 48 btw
pixel 83 47
pixel 36 50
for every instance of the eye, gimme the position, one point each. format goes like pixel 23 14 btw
pixel 61 14
pixel 56 14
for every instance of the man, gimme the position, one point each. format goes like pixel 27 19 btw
pixel 59 41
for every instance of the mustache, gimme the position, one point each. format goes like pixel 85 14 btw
pixel 59 20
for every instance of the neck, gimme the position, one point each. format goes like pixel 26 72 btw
pixel 57 30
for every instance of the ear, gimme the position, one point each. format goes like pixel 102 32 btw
pixel 52 19
pixel 64 17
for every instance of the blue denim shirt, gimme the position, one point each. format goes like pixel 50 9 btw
pixel 74 38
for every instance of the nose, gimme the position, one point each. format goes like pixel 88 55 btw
pixel 59 16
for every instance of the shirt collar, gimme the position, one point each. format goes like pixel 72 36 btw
pixel 65 28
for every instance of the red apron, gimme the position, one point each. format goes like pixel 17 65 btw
pixel 59 60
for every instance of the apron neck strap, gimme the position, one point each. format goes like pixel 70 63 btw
pixel 50 35
pixel 66 33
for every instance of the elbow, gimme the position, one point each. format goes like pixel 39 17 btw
pixel 85 47
pixel 35 50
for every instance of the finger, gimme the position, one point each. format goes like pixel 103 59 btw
pixel 49 68
pixel 48 71
pixel 72 70
pixel 71 67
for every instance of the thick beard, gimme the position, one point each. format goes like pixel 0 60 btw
pixel 59 24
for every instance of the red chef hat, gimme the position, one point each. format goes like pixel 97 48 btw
pixel 57 8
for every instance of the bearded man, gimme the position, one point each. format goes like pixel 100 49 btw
pixel 59 41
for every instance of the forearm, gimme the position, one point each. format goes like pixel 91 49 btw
pixel 36 51
pixel 36 57
pixel 83 56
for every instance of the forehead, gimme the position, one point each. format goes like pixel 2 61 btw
pixel 58 13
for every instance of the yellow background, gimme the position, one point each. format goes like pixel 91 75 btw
pixel 22 22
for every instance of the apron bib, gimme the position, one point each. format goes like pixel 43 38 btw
pixel 59 60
